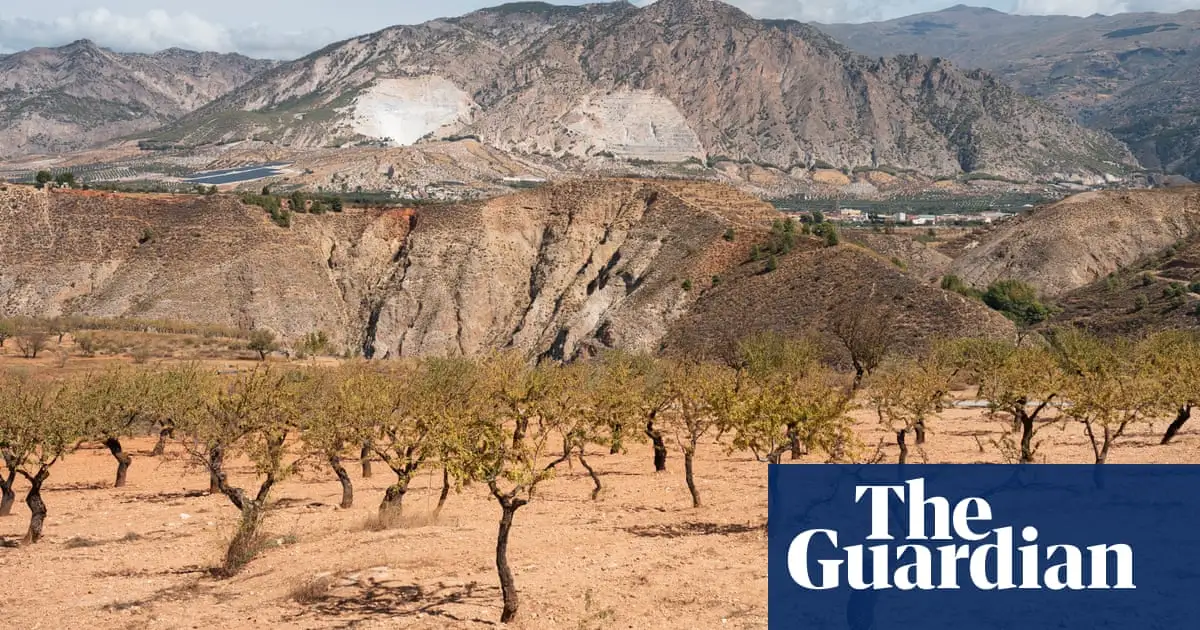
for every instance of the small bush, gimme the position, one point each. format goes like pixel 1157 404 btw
pixel 140 354
pixel 313 590
pixel 772 263
pixel 687 285
pixel 1140 303
pixel 86 343
pixel 1017 301
pixel 1174 290
pixel 730 235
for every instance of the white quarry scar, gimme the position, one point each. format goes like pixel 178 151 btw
pixel 405 110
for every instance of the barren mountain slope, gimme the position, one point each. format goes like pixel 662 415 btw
pixel 563 269
pixel 1156 294
pixel 673 81
pixel 60 99
pixel 806 290
pixel 190 258
pixel 1132 73
pixel 556 270
pixel 1083 238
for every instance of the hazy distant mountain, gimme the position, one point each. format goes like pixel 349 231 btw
pixel 676 80
pixel 60 99
pixel 1133 74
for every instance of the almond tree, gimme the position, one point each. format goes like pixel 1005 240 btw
pixel 253 415
pixel 907 394
pixel 113 402
pixel 333 416
pixel 39 424
pixel 1109 384
pixel 1174 357
pixel 784 398
pixel 614 382
pixel 427 403
pixel 1019 382
pixel 698 391
pixel 513 463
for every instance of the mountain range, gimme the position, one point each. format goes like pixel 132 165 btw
pixel 1131 74
pixel 675 81
pixel 55 100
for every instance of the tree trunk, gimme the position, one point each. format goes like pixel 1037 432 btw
pixel 123 460
pixel 595 477
pixel 445 493
pixel 616 440
pixel 919 430
pixel 7 496
pixel 246 542
pixel 507 586
pixel 660 447
pixel 1181 417
pixel 160 446
pixel 364 458
pixel 794 439
pixel 392 505
pixel 344 478
pixel 859 372
pixel 900 435
pixel 519 432
pixel 216 458
pixel 1026 438
pixel 687 474
pixel 37 507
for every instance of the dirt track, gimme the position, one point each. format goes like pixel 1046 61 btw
pixel 638 558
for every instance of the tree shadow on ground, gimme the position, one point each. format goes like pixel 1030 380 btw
pixel 353 602
pixel 692 528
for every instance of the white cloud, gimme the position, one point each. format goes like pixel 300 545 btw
pixel 157 30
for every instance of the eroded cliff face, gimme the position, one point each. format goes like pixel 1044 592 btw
pixel 197 259
pixel 557 271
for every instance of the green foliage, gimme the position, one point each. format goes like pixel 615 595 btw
pixel 263 342
pixel 783 236
pixel 42 178
pixel 313 344
pixel 1017 301
pixel 687 285
pixel 296 202
pixel 65 179
pixel 729 235
pixel 956 284
pixel 826 232
pixel 1140 303
pixel 1174 290
pixel 772 263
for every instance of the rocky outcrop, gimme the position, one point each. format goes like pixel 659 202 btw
pixel 1081 239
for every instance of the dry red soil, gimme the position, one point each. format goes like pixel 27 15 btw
pixel 640 557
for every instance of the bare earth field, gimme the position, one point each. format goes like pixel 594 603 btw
pixel 640 557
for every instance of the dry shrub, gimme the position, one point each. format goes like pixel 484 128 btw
pixel 81 542
pixel 140 354
pixel 381 522
pixel 313 590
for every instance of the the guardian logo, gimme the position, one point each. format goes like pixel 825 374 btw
pixel 972 551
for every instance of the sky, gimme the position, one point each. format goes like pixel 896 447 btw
pixel 286 29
